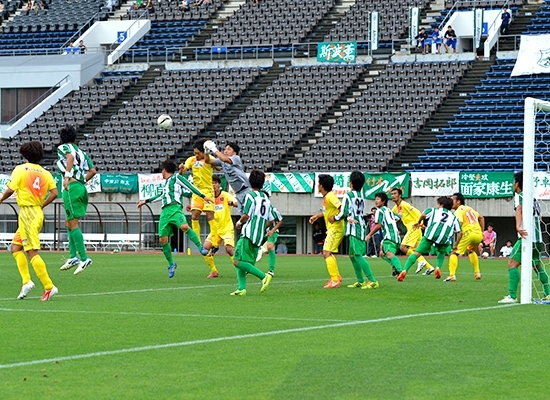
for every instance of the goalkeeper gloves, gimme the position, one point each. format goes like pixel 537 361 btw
pixel 210 147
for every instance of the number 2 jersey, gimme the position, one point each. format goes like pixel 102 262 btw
pixel 442 225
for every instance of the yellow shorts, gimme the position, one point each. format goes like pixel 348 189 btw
pixel 412 238
pixel 29 226
pixel 470 240
pixel 333 240
pixel 228 238
pixel 198 203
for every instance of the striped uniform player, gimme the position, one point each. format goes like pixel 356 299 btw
pixel 77 168
pixel 385 219
pixel 441 227
pixel 272 233
pixel 176 187
pixel 538 246
pixel 409 215
pixel 353 213
pixel 253 224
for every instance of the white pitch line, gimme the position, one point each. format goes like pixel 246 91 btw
pixel 236 337
pixel 146 314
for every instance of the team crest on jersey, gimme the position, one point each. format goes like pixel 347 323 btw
pixel 544 60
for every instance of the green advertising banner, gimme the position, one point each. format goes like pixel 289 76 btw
pixel 93 185
pixel 291 182
pixel 119 183
pixel 374 183
pixel 486 185
pixel 345 52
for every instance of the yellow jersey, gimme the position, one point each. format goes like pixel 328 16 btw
pixel 222 211
pixel 468 218
pixel 202 175
pixel 409 215
pixel 331 205
pixel 32 184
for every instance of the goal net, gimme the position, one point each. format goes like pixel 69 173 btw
pixel 536 185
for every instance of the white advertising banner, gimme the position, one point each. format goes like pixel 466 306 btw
pixel 440 183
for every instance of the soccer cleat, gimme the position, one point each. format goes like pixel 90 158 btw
pixel 450 279
pixel 172 270
pixel 394 271
pixel 437 273
pixel 25 290
pixel 478 276
pixel 546 298
pixel 48 294
pixel 272 273
pixel 266 281
pixel 401 276
pixel 212 275
pixel 213 250
pixel 332 284
pixel 421 265
pixel 508 300
pixel 238 293
pixel 429 271
pixel 69 263
pixel 371 285
pixel 203 251
pixel 356 285
pixel 82 265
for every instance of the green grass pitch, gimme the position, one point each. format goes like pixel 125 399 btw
pixel 123 330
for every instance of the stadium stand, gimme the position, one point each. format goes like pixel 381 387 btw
pixel 384 117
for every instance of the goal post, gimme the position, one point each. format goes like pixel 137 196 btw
pixel 536 130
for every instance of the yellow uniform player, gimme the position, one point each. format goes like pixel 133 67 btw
pixel 410 215
pixel 201 172
pixel 468 240
pixel 335 230
pixel 35 189
pixel 226 230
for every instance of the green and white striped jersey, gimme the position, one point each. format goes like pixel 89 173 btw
pixel 442 225
pixel 518 200
pixel 276 215
pixel 385 217
pixel 353 209
pixel 81 165
pixel 258 208
pixel 176 187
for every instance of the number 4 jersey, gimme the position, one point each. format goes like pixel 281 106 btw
pixel 32 183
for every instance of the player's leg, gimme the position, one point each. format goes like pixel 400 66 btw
pixel 271 256
pixel 208 258
pixel 357 248
pixel 247 257
pixel 167 222
pixel 410 243
pixel 542 275
pixel 389 249
pixel 330 247
pixel 474 240
pixel 22 265
pixel 196 210
pixel 514 275
pixel 180 220
pixel 453 259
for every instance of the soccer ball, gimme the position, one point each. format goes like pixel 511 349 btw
pixel 165 122
pixel 485 255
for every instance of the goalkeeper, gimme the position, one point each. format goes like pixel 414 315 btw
pixel 231 165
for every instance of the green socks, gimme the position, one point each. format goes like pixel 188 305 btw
pixel 167 250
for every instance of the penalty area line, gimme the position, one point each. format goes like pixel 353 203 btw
pixel 246 336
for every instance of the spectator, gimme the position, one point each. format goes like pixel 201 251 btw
pixel 149 6
pixel 110 4
pixel 82 47
pixel 421 40
pixel 505 251
pixel 281 248
pixel 489 240
pixel 319 235
pixel 71 48
pixel 28 6
pixel 450 39
pixel 505 17
pixel 437 39
pixel 373 246
pixel 184 5
pixel 1 11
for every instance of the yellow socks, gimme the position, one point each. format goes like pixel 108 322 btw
pixel 210 262
pixel 332 268
pixel 39 267
pixel 474 259
pixel 453 264
pixel 22 266
pixel 196 226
